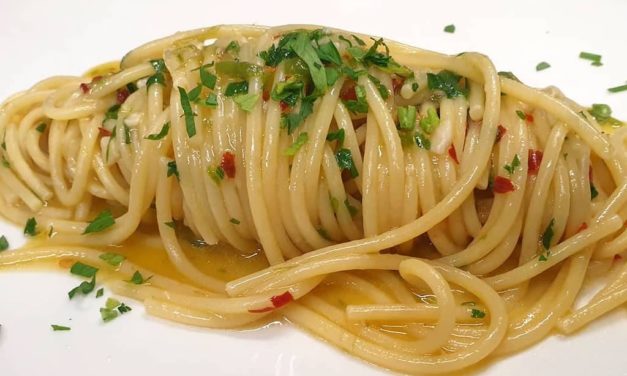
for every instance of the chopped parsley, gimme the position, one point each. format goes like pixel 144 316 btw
pixel 173 170
pixel 100 292
pixel 162 133
pixel 288 91
pixel 407 117
pixel 542 66
pixel 246 101
pixel 103 221
pixel 207 78
pixel 422 141
pixel 359 105
pixel 430 122
pixel 170 224
pixel 547 238
pixel 593 191
pixel 4 243
pixel 138 278
pixel 449 28
pixel 381 60
pixel 216 174
pixel 85 288
pixel 477 313
pixel 189 115
pixel 235 88
pixel 30 229
pixel 510 168
pixel 345 161
pixel 294 120
pixel 298 143
pixel 113 259
pixel 351 209
pixel 211 100
pixel 112 309
pixel 383 91
pixel 112 112
pixel 60 328
pixel 300 44
pixel 594 58
pixel 234 221
pixel 328 53
pixel 159 76
pixel 447 82
pixel 41 128
pixel 337 136
pixel 617 89
pixel 232 47
pixel 414 86
pixel 521 115
pixel 83 270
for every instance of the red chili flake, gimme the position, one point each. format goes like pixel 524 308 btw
pixel 503 185
pixel 617 257
pixel 278 301
pixel 453 153
pixel 529 118
pixel 397 84
pixel 533 161
pixel 85 88
pixel 500 132
pixel 582 227
pixel 284 106
pixel 348 92
pixel 104 132
pixel 228 164
pixel 266 95
pixel 121 95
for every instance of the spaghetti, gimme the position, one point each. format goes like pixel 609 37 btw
pixel 420 211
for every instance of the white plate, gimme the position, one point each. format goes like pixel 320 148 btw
pixel 39 39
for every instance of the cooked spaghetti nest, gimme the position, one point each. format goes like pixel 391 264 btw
pixel 418 210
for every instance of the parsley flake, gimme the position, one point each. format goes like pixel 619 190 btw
pixel 103 221
pixel 162 133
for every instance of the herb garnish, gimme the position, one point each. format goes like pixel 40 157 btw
pixel 298 143
pixel 103 221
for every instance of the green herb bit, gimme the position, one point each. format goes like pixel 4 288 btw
pixel 4 243
pixel 123 308
pixel 298 143
pixel 593 191
pixel 108 314
pixel 100 292
pixel 235 88
pixel 351 209
pixel 383 91
pixel 449 28
pixel 288 91
pixel 360 105
pixel 300 43
pixel 547 236
pixel 112 112
pixel 103 221
pixel 60 328
pixel 30 229
pixel 207 78
pixel 617 89
pixel 430 122
pixel 337 136
pixel 521 115
pixel 509 75
pixel 157 78
pixel 127 134
pixel 345 161
pixel 294 120
pixel 158 65
pixel 211 101
pixel 414 86
pixel 510 168
pixel 83 270
pixel 594 58
pixel 113 259
pixel 407 117
pixel 542 66
pixel 5 163
pixel 232 47
pixel 477 313
pixel 246 102
pixel 447 82
pixel 189 115
pixel 322 232
pixel 358 40
pixel 333 74
pixel 234 221
pixel 170 224
pixel 216 174
pixel 173 170
pixel 41 128
pixel 327 52
pixel 422 141
pixel 84 287
pixel 162 133
pixel 138 278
